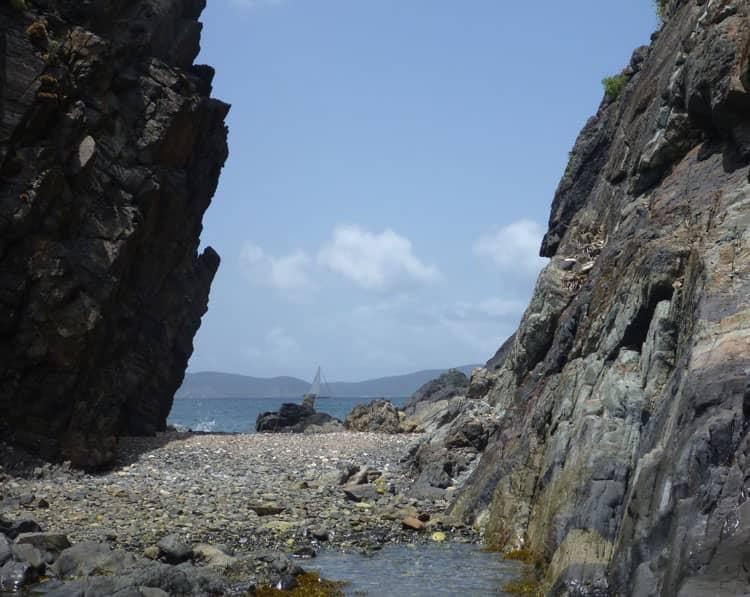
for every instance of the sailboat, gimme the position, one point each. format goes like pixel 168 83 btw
pixel 315 387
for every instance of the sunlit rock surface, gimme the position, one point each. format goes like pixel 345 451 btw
pixel 620 455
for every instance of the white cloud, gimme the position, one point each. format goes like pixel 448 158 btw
pixel 374 261
pixel 290 272
pixel 514 248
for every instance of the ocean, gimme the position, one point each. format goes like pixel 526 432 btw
pixel 238 414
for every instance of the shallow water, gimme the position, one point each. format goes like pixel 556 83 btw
pixel 238 414
pixel 435 570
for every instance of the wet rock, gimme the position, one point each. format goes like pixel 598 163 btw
pixel 16 575
pixel 174 550
pixel 305 553
pixel 319 534
pixel 378 416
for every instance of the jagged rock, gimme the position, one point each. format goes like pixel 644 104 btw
pixel 379 416
pixel 622 403
pixel 297 418
pixel 110 151
pixel 448 385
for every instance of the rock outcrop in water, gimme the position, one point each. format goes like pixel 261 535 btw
pixel 621 459
pixel 110 152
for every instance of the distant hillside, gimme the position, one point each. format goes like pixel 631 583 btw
pixel 228 385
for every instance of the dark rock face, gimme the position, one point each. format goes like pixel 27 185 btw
pixel 449 384
pixel 379 416
pixel 110 152
pixel 620 454
pixel 297 418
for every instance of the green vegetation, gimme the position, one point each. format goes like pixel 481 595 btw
pixel 614 86
pixel 17 5
pixel 661 8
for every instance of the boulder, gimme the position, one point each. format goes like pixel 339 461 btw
pixel 174 550
pixel 449 385
pixel 51 542
pixel 297 418
pixel 379 416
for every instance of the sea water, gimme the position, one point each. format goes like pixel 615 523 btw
pixel 435 570
pixel 238 415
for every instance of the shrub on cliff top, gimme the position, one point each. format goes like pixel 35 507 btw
pixel 614 86
pixel 661 8
pixel 17 5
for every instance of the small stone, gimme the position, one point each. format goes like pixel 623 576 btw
pixel 438 536
pixel 42 504
pixel 319 534
pixel 151 552
pixel 287 582
pixel 266 509
pixel 412 523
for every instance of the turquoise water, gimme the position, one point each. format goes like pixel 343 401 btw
pixel 238 414
pixel 436 570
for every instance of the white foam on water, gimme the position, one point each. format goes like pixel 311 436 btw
pixel 206 425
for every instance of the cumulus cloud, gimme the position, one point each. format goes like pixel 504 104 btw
pixel 514 248
pixel 374 261
pixel 290 272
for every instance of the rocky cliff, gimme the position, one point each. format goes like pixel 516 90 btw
pixel 110 152
pixel 621 460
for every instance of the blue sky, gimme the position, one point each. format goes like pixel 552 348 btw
pixel 391 167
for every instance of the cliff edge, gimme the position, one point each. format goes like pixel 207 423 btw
pixel 621 461
pixel 110 152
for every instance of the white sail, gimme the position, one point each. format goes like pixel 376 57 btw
pixel 315 387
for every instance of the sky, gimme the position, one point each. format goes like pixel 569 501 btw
pixel 392 164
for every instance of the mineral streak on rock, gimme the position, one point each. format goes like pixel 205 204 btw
pixel 622 455
pixel 110 152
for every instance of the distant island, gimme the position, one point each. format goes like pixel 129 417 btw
pixel 209 384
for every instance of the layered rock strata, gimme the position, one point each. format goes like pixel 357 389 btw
pixel 110 152
pixel 621 460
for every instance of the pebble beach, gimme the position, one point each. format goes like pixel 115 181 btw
pixel 233 498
